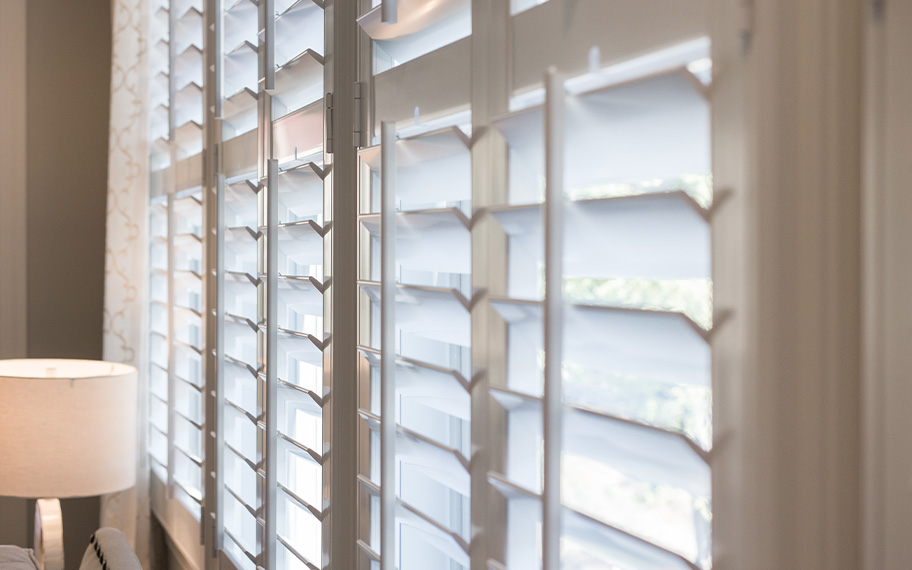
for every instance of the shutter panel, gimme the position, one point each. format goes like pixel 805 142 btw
pixel 159 313
pixel 241 479
pixel 416 292
pixel 272 276
pixel 612 172
pixel 176 233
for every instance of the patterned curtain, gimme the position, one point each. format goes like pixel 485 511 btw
pixel 126 248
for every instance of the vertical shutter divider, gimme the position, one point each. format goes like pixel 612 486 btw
pixel 272 312
pixel 213 282
pixel 388 346
pixel 172 149
pixel 219 349
pixel 553 317
pixel 267 343
pixel 172 389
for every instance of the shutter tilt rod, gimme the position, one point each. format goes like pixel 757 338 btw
pixel 272 404
pixel 388 346
pixel 554 317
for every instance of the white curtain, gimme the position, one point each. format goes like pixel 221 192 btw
pixel 126 248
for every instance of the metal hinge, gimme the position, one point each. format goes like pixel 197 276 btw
pixel 329 123
pixel 358 127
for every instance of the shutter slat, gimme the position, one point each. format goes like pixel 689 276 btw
pixel 420 83
pixel 189 455
pixel 422 26
pixel 239 113
pixel 241 203
pixel 615 546
pixel 241 431
pixel 248 462
pixel 659 345
pixel 446 541
pixel 310 565
pixel 623 31
pixel 611 543
pixel 188 104
pixel 244 551
pixel 620 139
pixel 299 135
pixel 373 355
pixel 239 23
pixel 419 161
pixel 368 551
pixel 250 510
pixel 433 387
pixel 301 191
pixel 314 511
pixel 240 341
pixel 300 449
pixel 304 392
pixel 240 65
pixel 659 236
pixel 420 237
pixel 293 400
pixel 299 82
pixel 298 29
pixel 432 313
pixel 443 464
pixel 301 344
pixel 646 453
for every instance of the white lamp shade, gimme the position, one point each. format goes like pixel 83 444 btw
pixel 67 427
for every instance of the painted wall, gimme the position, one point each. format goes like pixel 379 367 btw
pixel 61 184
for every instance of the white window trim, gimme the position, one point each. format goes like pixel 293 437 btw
pixel 786 361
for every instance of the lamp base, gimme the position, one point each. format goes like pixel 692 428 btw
pixel 49 534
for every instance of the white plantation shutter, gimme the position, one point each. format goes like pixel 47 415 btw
pixel 533 287
pixel 606 408
pixel 272 334
pixel 176 250
pixel 417 297
pixel 620 422
pixel 240 405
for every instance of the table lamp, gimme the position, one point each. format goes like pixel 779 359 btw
pixel 67 429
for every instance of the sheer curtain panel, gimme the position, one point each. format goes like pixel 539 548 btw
pixel 125 259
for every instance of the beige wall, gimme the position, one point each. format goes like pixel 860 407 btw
pixel 53 202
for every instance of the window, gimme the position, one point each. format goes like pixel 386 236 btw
pixel 534 294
